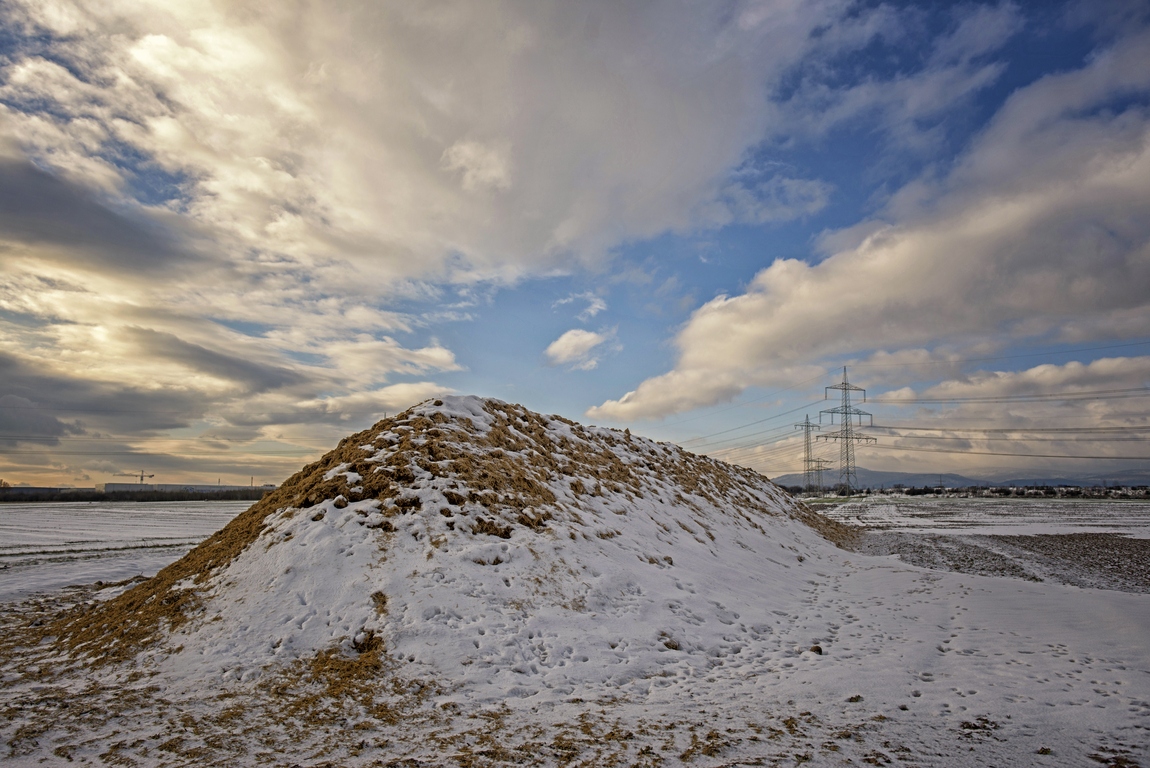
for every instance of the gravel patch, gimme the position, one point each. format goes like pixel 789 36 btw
pixel 1091 560
pixel 1103 560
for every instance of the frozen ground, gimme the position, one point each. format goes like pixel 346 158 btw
pixel 45 546
pixel 917 669
pixel 655 609
pixel 1091 543
pixel 943 515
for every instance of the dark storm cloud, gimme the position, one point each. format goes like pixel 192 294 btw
pixel 22 422
pixel 42 210
pixel 255 377
pixel 98 405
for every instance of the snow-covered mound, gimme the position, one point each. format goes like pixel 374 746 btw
pixel 489 548
pixel 472 584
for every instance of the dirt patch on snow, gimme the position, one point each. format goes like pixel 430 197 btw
pixel 1107 560
pixel 1094 560
pixel 841 535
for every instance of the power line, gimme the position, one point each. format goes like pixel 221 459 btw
pixel 1017 455
pixel 1136 391
pixel 749 424
pixel 789 453
pixel 782 444
pixel 747 452
pixel 918 363
pixel 952 429
pixel 1114 394
pixel 759 452
pixel 747 402
pixel 1028 439
pixel 752 454
pixel 772 430
pixel 1015 429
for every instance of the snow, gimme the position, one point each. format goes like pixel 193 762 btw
pixel 975 516
pixel 45 546
pixel 502 615
pixel 342 470
pixel 649 624
pixel 1090 543
pixel 295 591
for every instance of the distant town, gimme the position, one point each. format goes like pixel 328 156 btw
pixel 1000 492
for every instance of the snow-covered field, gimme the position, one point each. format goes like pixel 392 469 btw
pixel 1090 543
pixel 609 601
pixel 45 546
pixel 974 516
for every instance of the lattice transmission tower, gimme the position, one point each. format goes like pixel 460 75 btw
pixel 809 462
pixel 819 465
pixel 846 435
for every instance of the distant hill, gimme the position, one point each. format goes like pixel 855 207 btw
pixel 869 478
pixel 1126 477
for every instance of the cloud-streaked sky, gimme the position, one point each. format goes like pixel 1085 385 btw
pixel 232 232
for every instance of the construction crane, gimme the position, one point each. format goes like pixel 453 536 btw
pixel 139 474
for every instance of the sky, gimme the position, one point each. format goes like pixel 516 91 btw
pixel 232 232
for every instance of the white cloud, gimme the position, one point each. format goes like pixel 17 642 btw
pixel 978 30
pixel 906 104
pixel 962 422
pixel 998 398
pixel 775 199
pixel 1066 379
pixel 317 164
pixel 595 304
pixel 1042 227
pixel 353 142
pixel 294 140
pixel 389 399
pixel 574 348
pixel 481 166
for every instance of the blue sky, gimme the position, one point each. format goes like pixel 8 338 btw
pixel 232 235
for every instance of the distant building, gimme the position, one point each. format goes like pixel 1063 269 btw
pixel 172 487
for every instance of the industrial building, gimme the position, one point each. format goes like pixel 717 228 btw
pixel 172 488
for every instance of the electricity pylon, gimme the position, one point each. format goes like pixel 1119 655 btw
pixel 819 465
pixel 846 435
pixel 808 462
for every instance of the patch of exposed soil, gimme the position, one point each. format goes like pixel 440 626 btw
pixel 1094 560
pixel 1106 560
